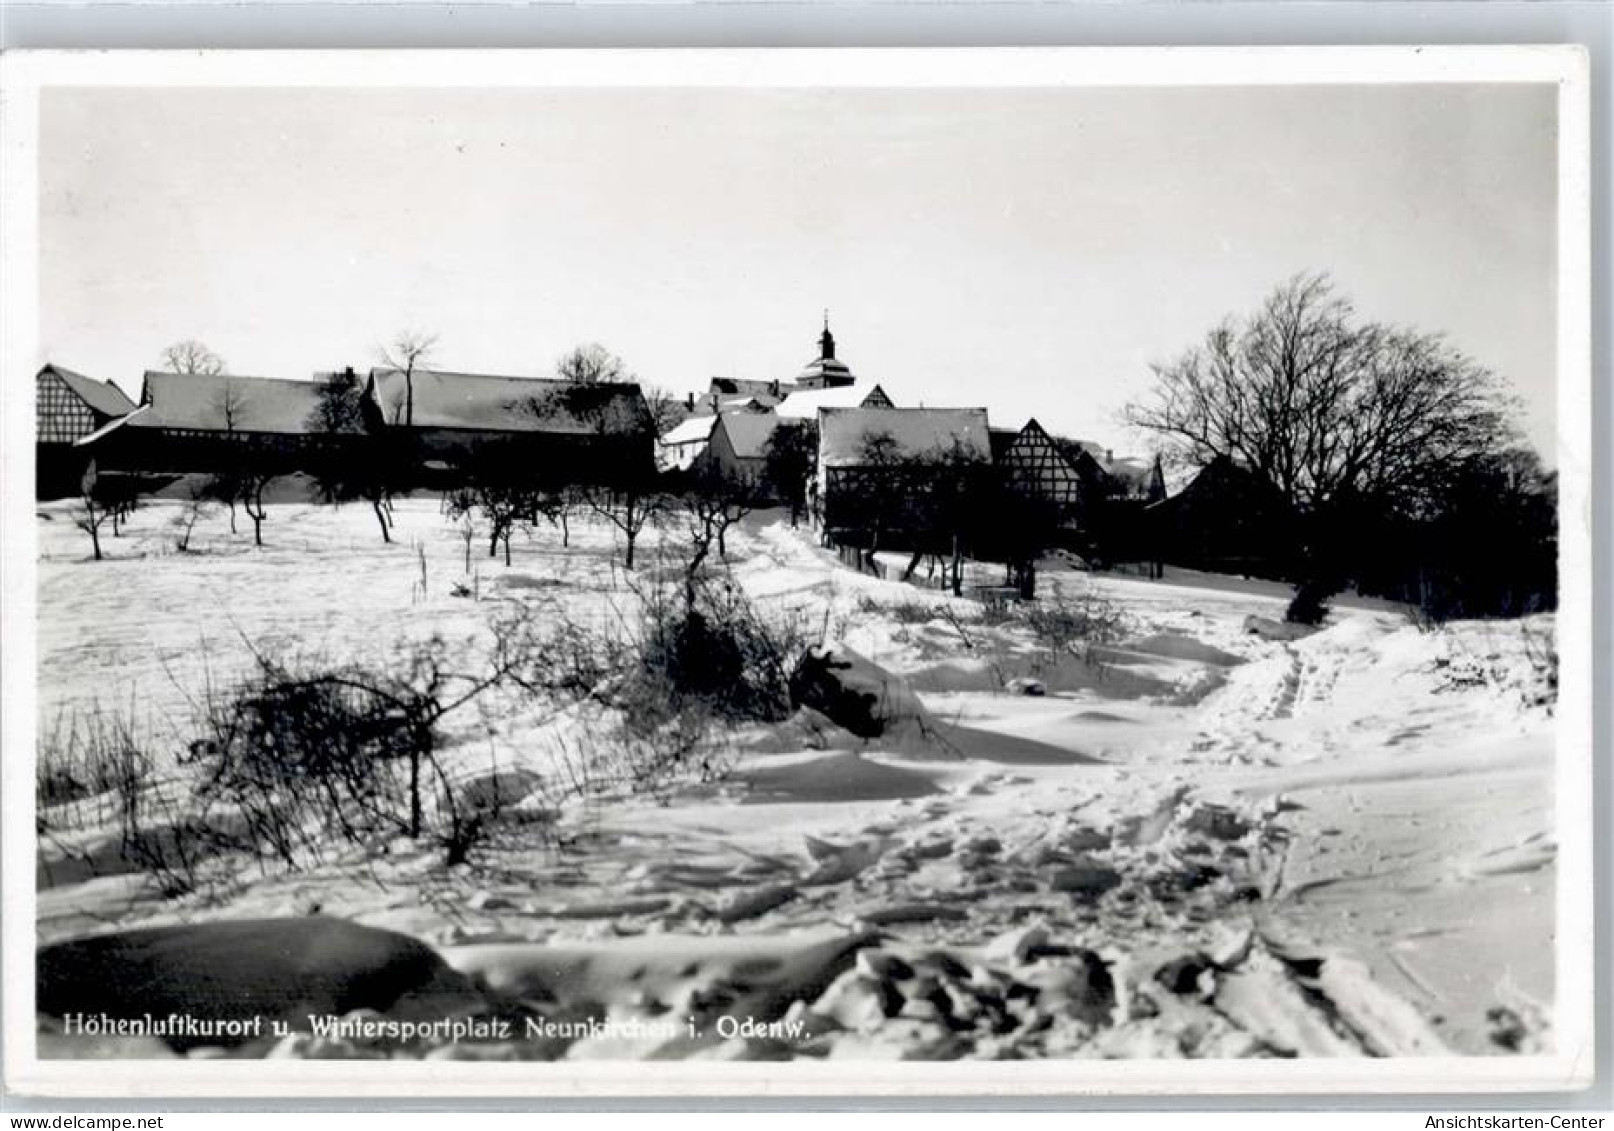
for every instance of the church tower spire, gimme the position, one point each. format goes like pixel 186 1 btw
pixel 826 340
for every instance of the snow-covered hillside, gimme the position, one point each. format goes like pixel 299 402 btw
pixel 1193 840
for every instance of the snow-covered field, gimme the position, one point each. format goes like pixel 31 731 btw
pixel 1197 842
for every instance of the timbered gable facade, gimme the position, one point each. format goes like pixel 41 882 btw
pixel 1035 466
pixel 68 407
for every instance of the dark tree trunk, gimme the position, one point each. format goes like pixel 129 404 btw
pixel 414 795
pixel 381 517
pixel 92 527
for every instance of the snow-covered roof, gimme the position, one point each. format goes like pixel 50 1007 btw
pixel 748 432
pixel 843 433
pixel 488 402
pixel 803 404
pixel 111 426
pixel 103 396
pixel 226 403
pixel 692 430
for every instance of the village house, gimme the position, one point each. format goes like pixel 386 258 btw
pixel 897 477
pixel 519 428
pixel 1074 479
pixel 200 423
pixel 805 404
pixel 69 406
pixel 1228 519
pixel 738 448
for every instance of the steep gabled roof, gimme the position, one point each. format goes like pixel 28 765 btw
pixel 917 431
pixel 803 404
pixel 693 430
pixel 103 396
pixel 492 403
pixel 225 402
pixel 748 432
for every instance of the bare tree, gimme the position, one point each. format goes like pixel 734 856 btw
pixel 504 505
pixel 225 486
pixel 409 351
pixel 1325 407
pixel 194 510
pixel 253 480
pixel 629 505
pixel 360 466
pixel 592 364
pixel 666 410
pixel 94 509
pixel 615 476
pixel 191 356
pixel 717 499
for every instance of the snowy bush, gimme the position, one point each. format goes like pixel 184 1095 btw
pixel 91 755
pixel 308 752
pixel 1071 624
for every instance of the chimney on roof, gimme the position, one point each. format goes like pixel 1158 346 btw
pixel 1109 455
pixel 690 403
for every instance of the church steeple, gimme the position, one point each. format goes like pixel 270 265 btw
pixel 826 340
pixel 825 371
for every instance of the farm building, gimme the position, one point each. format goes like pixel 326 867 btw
pixel 739 446
pixel 898 476
pixel 69 406
pixel 518 427
pixel 198 423
pixel 1071 477
pixel 1038 467
pixel 1228 518
pixel 680 446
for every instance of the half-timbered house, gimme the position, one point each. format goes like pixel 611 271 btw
pixel 69 406
pixel 898 477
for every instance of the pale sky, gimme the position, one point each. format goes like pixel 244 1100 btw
pixel 1030 251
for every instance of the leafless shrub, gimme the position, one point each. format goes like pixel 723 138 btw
pixel 196 507
pixel 308 752
pixel 690 659
pixel 96 774
pixel 87 756
pixel 903 612
pixel 1072 624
